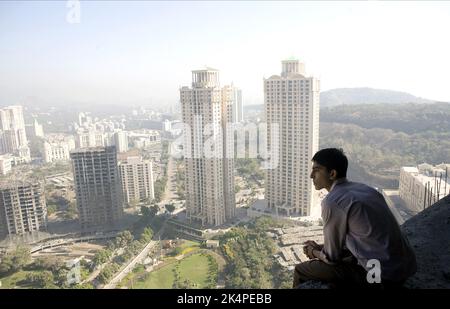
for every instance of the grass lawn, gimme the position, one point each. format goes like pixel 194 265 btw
pixel 194 268
pixel 160 279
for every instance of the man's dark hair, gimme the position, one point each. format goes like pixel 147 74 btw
pixel 332 159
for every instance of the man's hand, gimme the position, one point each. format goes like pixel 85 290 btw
pixel 313 244
pixel 309 247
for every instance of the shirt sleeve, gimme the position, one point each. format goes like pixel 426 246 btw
pixel 334 232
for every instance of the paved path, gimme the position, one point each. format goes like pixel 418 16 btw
pixel 138 259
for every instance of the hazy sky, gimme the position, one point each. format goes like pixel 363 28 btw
pixel 142 52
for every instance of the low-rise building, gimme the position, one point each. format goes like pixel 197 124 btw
pixel 5 164
pixel 57 148
pixel 424 185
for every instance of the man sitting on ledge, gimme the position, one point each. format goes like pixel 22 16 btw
pixel 363 244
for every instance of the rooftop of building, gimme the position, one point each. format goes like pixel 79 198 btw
pixel 205 69
pixel 436 177
pixel 93 149
pixel 14 181
pixel 291 76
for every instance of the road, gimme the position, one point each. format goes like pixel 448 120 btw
pixel 171 187
pixel 67 241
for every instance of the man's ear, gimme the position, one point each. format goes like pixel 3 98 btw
pixel 333 175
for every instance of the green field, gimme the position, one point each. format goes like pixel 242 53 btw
pixel 193 268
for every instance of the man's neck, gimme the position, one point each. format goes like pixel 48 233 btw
pixel 337 182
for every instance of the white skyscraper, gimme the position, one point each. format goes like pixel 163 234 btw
pixel 121 141
pixel 292 101
pixel 38 129
pixel 167 125
pixel 206 108
pixel 137 179
pixel 85 138
pixel 236 107
pixel 12 129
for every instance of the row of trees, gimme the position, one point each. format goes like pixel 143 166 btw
pixel 120 250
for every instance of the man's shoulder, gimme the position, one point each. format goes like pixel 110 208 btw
pixel 350 187
pixel 348 192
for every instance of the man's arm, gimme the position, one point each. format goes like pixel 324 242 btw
pixel 334 233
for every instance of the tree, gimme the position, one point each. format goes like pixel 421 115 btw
pixel 15 260
pixel 135 247
pixel 52 264
pixel 107 272
pixel 123 239
pixel 170 208
pixel 102 257
pixel 42 279
pixel 51 208
pixel 145 211
pixel 154 210
pixel 146 235
pixel 72 211
pixel 176 251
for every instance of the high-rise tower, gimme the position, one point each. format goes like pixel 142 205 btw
pixel 292 101
pixel 206 109
pixel 98 187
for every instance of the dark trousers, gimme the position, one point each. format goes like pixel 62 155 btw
pixel 341 275
pixel 348 274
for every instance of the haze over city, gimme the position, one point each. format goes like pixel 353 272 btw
pixel 140 53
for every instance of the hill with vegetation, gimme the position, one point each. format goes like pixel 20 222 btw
pixel 366 95
pixel 380 138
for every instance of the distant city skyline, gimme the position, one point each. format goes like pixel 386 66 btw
pixel 142 52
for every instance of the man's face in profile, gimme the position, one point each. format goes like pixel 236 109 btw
pixel 320 176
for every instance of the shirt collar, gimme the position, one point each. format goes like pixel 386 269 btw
pixel 338 182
